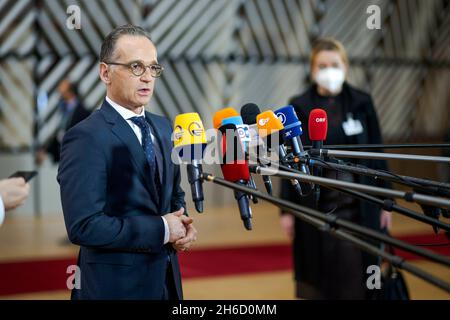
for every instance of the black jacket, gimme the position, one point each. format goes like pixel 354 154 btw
pixel 360 104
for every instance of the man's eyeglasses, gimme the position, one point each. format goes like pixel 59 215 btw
pixel 138 68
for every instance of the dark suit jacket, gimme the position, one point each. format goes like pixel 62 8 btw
pixel 54 147
pixel 112 210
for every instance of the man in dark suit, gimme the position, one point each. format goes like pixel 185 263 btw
pixel 120 191
pixel 72 111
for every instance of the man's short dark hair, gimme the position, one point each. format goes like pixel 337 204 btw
pixel 109 44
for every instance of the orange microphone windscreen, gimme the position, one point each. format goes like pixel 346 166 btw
pixel 223 114
pixel 268 123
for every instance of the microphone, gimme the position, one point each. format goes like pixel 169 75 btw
pixel 269 128
pixel 242 130
pixel 235 169
pixel 244 136
pixel 249 112
pixel 223 114
pixel 292 132
pixel 317 127
pixel 190 142
pixel 317 130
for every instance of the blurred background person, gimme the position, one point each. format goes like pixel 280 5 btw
pixel 13 193
pixel 72 111
pixel 327 267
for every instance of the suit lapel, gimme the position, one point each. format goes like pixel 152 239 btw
pixel 122 130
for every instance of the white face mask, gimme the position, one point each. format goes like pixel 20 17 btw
pixel 331 79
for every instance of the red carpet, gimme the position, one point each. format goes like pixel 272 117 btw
pixel 425 239
pixel 48 275
pixel 232 261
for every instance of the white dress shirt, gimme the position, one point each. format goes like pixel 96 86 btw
pixel 127 114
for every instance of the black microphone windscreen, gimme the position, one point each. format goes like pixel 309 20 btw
pixel 249 112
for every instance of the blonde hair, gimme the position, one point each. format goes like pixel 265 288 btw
pixel 327 44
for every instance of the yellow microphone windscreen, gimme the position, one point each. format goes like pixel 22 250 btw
pixel 188 130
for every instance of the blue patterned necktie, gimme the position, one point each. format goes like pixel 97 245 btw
pixel 149 150
pixel 147 143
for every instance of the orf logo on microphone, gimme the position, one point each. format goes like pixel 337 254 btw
pixel 282 117
pixel 195 129
pixel 319 120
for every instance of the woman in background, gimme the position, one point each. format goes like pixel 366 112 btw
pixel 325 266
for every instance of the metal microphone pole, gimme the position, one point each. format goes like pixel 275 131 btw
pixel 386 146
pixel 331 223
pixel 375 155
pixel 408 196
pixel 441 188
pixel 388 205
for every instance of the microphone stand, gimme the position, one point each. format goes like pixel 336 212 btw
pixel 331 223
pixel 424 185
pixel 387 205
pixel 374 155
pixel 408 196
pixel 386 146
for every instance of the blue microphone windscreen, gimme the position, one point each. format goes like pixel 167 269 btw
pixel 290 121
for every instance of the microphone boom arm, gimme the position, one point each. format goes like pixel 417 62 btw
pixel 408 196
pixel 374 155
pixel 331 224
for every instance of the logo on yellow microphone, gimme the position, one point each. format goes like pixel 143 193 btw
pixel 188 129
pixel 178 132
pixel 263 121
pixel 195 129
